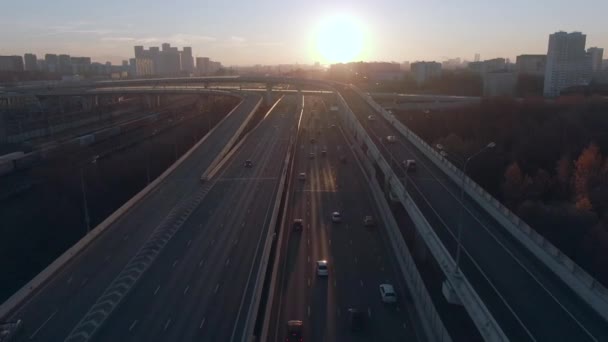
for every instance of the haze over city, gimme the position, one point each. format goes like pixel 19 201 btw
pixel 272 32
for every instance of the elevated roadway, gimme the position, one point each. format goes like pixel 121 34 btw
pixel 50 313
pixel 528 300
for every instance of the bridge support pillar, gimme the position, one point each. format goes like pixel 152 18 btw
pixel 158 101
pixel 87 103
pixel 147 100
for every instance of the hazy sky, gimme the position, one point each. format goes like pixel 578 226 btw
pixel 271 31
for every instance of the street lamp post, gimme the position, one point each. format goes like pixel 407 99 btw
pixel 461 216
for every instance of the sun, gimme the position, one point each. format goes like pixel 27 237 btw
pixel 339 39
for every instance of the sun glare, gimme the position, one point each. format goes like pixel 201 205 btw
pixel 339 39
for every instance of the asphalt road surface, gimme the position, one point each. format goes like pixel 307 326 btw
pixel 527 299
pixel 53 311
pixel 359 259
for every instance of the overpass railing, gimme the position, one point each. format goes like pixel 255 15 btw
pixel 581 282
pixel 479 313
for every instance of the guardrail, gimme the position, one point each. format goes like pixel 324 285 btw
pixel 430 319
pixel 45 275
pixel 581 282
pixel 479 313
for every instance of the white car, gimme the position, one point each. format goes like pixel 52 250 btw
pixel 387 292
pixel 302 176
pixel 371 118
pixel 391 138
pixel 336 217
pixel 410 165
pixel 322 268
pixel 311 155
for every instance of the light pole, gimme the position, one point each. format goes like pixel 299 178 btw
pixel 464 172
pixel 83 189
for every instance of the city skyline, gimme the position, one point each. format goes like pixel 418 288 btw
pixel 393 32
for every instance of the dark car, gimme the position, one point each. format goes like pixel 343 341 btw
pixel 357 319
pixel 298 224
pixel 294 331
pixel 248 163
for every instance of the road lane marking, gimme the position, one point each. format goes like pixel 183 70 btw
pixel 216 288
pixel 308 242
pixel 404 326
pixel 227 261
pixel 84 281
pixel 308 258
pixel 202 323
pixel 42 325
pixel 174 263
pixel 308 310
pixel 308 281
pixel 70 279
pixel 361 282
pixel 186 290
pixel 243 224
pixel 157 288
pixel 369 312
pixel 338 311
pixel 334 283
pixel 330 242
pixel 212 241
pixel 201 262
pixel 356 260
pixel 133 325
pixel 351 242
pixel 189 242
pixel 167 324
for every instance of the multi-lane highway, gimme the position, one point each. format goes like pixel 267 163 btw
pixel 529 301
pixel 358 258
pixel 202 285
pixel 52 312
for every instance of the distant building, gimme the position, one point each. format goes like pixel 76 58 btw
pixel 452 63
pixel 425 71
pixel 383 71
pixel 202 66
pixel 568 64
pixel 531 64
pixel 64 64
pixel 605 64
pixel 30 62
pixel 80 65
pixel 499 83
pixel 11 63
pixel 490 65
pixel 405 66
pixel 187 61
pixel 52 62
pixel 596 55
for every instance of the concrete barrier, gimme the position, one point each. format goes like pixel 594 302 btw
pixel 45 275
pixel 595 296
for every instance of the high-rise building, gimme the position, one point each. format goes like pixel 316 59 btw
pixel 202 66
pixel 31 62
pixel 596 55
pixel 187 61
pixel 568 64
pixel 531 64
pixel 490 65
pixel 64 64
pixel 11 63
pixel 51 62
pixel 80 65
pixel 425 71
pixel 605 64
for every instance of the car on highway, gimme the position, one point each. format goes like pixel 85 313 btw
pixel 368 221
pixel 312 140
pixel 336 217
pixel 332 126
pixel 409 165
pixel 298 224
pixel 387 293
pixel 324 150
pixel 357 319
pixel 322 270
pixel 302 176
pixel 444 154
pixel 391 138
pixel 294 331
pixel 371 118
pixel 311 155
pixel 248 163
